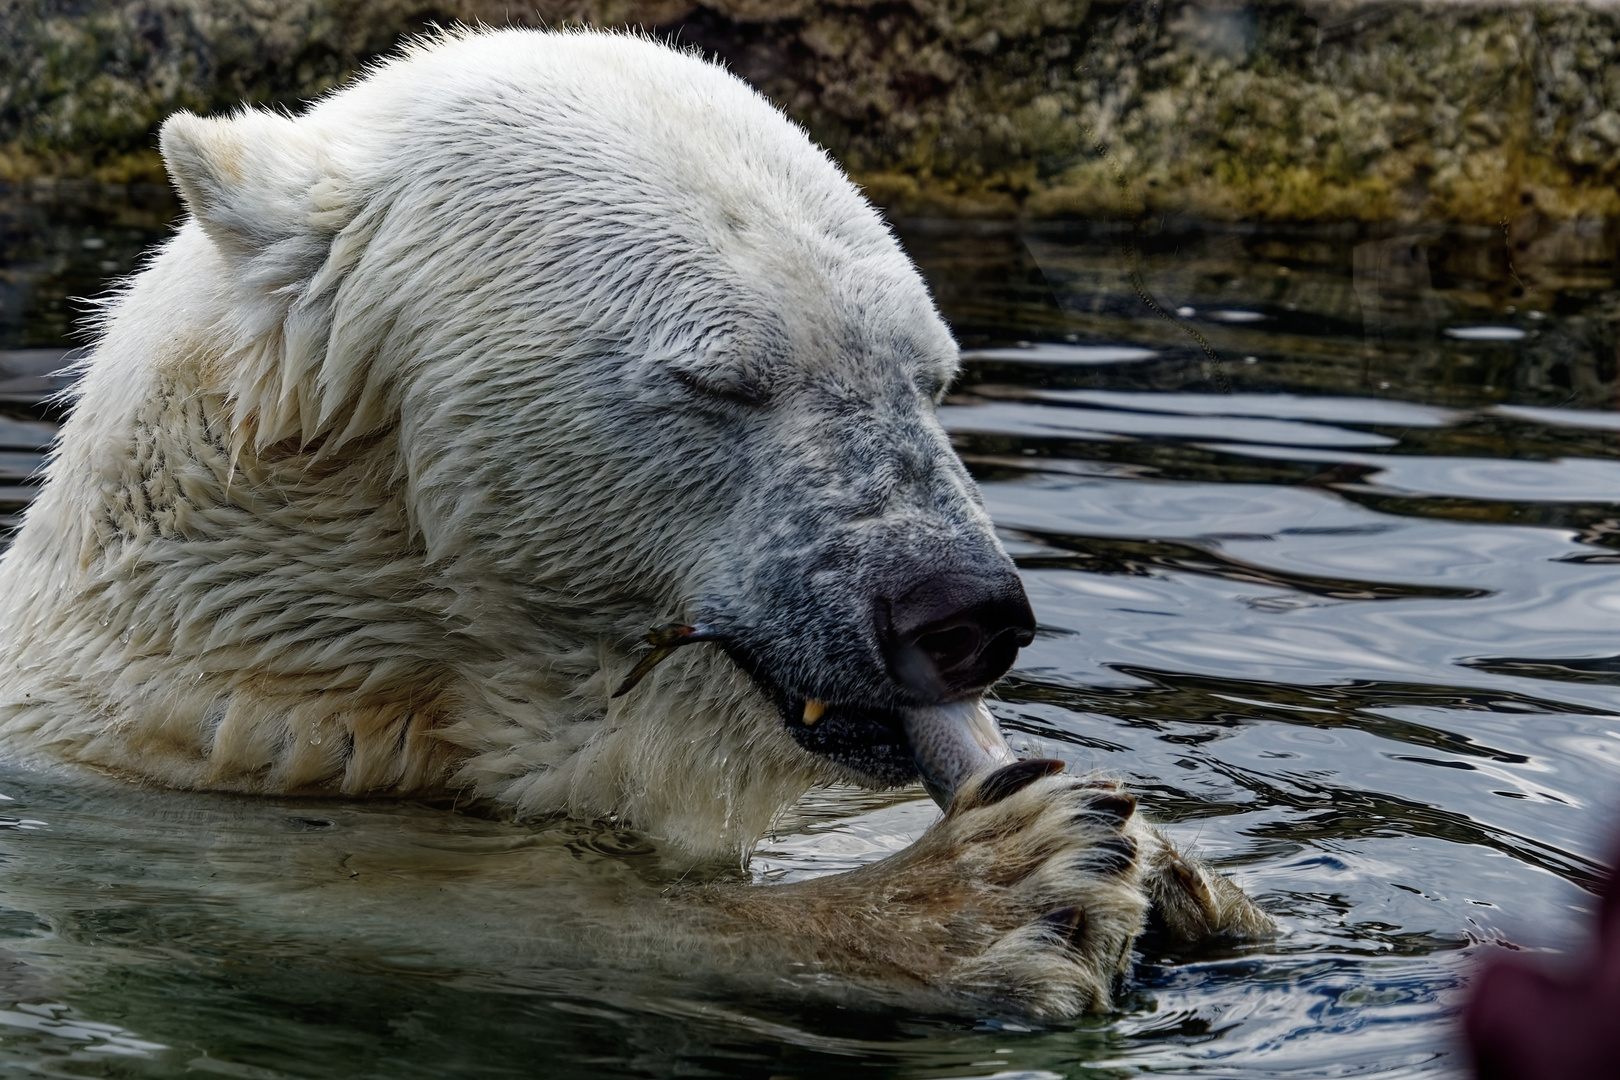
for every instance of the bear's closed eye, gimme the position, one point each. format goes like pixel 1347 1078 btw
pixel 728 387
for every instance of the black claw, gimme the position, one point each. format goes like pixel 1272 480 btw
pixel 1117 805
pixel 1011 779
pixel 1114 855
pixel 1068 924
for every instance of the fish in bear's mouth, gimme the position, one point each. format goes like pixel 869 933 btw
pixel 941 744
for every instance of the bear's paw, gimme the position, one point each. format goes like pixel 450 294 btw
pixel 1026 897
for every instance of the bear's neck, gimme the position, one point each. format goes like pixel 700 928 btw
pixel 266 621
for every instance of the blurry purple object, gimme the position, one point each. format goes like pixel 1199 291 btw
pixel 1525 1021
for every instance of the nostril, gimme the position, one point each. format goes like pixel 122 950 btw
pixel 956 633
pixel 952 647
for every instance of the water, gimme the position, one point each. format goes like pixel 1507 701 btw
pixel 1338 603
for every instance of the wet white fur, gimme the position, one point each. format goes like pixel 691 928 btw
pixel 379 471
pixel 333 511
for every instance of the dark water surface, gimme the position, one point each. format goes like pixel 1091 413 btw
pixel 1339 602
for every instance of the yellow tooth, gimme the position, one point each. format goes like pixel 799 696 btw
pixel 813 711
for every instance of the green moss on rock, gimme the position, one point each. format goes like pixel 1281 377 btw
pixel 1276 110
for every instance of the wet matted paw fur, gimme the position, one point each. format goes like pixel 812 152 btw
pixel 1027 896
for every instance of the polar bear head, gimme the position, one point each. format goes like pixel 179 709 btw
pixel 645 356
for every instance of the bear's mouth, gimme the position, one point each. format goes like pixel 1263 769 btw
pixel 942 745
pixel 880 746
pixel 870 742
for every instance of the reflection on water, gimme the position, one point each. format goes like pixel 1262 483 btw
pixel 1348 629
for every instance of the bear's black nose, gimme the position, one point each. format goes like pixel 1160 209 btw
pixel 953 634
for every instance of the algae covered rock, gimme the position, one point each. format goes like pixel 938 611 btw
pixel 1283 110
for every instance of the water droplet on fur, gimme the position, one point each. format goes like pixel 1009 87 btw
pixel 314 740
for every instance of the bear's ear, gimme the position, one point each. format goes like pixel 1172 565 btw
pixel 249 179
pixel 267 192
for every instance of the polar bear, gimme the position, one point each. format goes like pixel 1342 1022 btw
pixel 452 387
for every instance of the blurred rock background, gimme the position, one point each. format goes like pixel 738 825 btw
pixel 1274 110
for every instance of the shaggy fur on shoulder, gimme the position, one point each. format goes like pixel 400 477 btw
pixel 449 389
